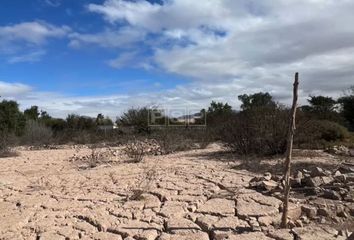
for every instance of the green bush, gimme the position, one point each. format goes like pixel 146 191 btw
pixel 318 133
pixel 137 118
pixel 257 131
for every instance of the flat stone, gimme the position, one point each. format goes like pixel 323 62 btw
pixel 256 205
pixel 185 236
pixel 218 206
pixel 281 234
pixel 331 194
pixel 269 185
pixel 134 205
pixel 327 180
pixel 51 236
pixel 294 211
pixel 323 212
pixel 317 172
pixel 310 233
pixel 106 236
pixel 269 220
pixel 150 201
pixel 314 181
pixel 349 177
pixel 208 223
pixel 174 209
pixel 174 225
pixel 346 169
pixel 244 236
pixel 310 211
pixel 255 226
pixel 164 194
pixel 137 229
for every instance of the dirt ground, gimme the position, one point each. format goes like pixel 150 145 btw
pixel 192 195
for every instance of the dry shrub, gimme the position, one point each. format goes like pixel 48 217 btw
pixel 174 139
pixel 135 150
pixel 260 131
pixel 5 150
pixel 145 184
pixel 319 134
pixel 37 133
pixel 96 157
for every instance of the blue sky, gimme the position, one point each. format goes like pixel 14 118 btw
pixel 54 66
pixel 91 56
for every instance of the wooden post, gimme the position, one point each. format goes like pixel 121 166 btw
pixel 291 131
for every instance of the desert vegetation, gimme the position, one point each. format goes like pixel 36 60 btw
pixel 258 128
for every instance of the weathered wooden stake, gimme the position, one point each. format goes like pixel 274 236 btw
pixel 289 149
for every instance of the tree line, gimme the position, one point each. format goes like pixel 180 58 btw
pixel 258 127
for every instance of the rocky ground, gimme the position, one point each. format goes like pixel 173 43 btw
pixel 194 195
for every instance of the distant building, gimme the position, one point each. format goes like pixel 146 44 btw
pixel 190 119
pixel 105 127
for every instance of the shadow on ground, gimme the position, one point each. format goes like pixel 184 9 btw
pixel 306 159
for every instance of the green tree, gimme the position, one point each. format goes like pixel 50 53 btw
pixel 77 122
pixel 101 120
pixel 256 100
pixel 322 104
pixel 217 108
pixel 12 121
pixel 32 113
pixel 347 107
pixel 217 114
pixel 56 124
pixel 44 116
pixel 138 118
pixel 322 108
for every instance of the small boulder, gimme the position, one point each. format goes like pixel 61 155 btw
pixel 313 181
pixel 323 212
pixel 267 176
pixel 331 194
pixel 281 234
pixel 318 172
pixel 310 233
pixel 327 180
pixel 310 211
pixel 269 185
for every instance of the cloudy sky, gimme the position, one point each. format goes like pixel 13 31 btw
pixel 91 56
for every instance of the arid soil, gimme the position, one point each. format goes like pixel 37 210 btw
pixel 193 195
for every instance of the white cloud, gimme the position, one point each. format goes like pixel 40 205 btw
pixel 224 47
pixel 13 89
pixel 248 45
pixel 30 57
pixel 23 42
pixel 53 3
pixel 123 60
pixel 121 38
pixel 173 14
pixel 31 32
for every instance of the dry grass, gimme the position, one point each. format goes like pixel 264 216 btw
pixel 135 150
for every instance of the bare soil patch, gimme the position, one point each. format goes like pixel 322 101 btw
pixel 198 194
